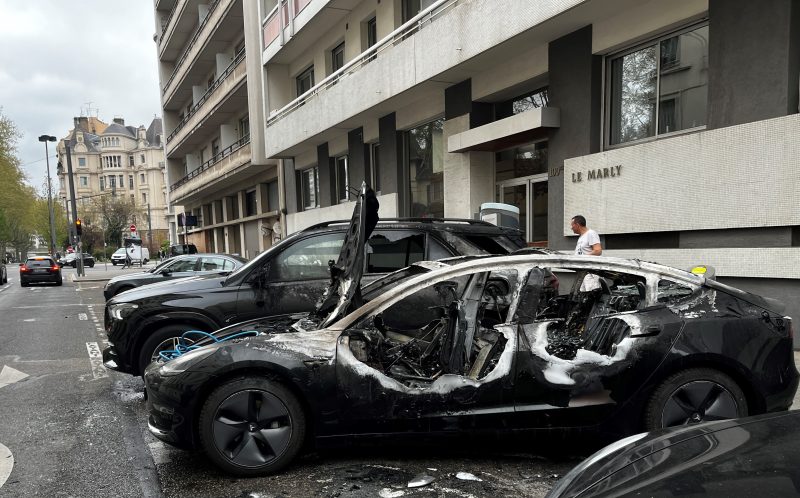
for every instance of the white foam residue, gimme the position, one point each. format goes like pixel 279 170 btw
pixel 390 493
pixel 313 344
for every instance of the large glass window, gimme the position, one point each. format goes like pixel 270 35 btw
pixel 533 100
pixel 522 161
pixel 425 166
pixel 392 250
pixel 307 258
pixel 659 88
pixel 309 188
pixel 375 166
pixel 250 203
pixel 305 81
pixel 414 7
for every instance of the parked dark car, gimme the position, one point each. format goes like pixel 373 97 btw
pixel 491 344
pixel 287 278
pixel 71 259
pixel 179 249
pixel 174 268
pixel 754 456
pixel 39 269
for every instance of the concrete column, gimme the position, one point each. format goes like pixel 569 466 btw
pixel 391 161
pixel 289 187
pixel 327 177
pixel 576 89
pixel 240 201
pixel 758 80
pixel 357 157
pixel 261 198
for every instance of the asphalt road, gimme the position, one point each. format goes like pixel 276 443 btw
pixel 74 429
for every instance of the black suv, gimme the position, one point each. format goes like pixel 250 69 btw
pixel 287 278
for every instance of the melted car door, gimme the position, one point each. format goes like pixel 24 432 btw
pixel 426 364
pixel 583 354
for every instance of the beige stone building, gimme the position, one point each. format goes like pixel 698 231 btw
pixel 124 161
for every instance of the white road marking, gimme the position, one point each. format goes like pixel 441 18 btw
pixel 82 316
pixel 96 360
pixel 6 464
pixel 29 320
pixel 10 375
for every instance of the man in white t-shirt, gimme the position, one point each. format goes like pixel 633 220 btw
pixel 588 245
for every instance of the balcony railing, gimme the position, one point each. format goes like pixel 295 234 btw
pixel 211 6
pixel 165 23
pixel 239 57
pixel 227 151
pixel 410 27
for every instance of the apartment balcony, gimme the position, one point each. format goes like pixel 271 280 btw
pixel 306 18
pixel 227 95
pixel 415 56
pixel 231 164
pixel 176 29
pixel 222 25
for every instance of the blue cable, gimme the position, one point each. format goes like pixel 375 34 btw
pixel 182 347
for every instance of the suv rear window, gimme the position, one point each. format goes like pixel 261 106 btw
pixel 39 263
pixel 392 250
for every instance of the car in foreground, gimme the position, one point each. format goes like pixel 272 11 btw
pixel 39 269
pixel 753 456
pixel 71 259
pixel 290 277
pixel 492 344
pixel 174 268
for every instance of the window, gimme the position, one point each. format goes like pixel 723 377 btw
pixel 658 88
pixel 81 162
pixel 521 161
pixel 392 250
pixel 244 126
pixel 112 182
pixel 309 180
pixel 130 182
pixel 121 181
pixel 342 179
pixel 144 197
pixel 533 100
pixel 142 179
pixel 250 203
pixel 84 181
pixel 414 7
pixel 272 196
pixel 372 32
pixel 375 167
pixel 215 147
pixel 212 264
pixel 305 81
pixel 307 258
pixel 424 164
pixel 337 57
pixel 183 265
pixel 131 161
pixel 141 158
pixel 102 183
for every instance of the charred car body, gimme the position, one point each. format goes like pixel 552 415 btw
pixel 477 343
pixel 287 278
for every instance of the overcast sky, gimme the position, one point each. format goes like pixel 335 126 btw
pixel 56 56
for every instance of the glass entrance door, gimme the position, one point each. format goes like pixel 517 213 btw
pixel 530 196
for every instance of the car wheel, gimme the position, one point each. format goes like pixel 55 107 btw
pixel 59 282
pixel 163 339
pixel 693 396
pixel 23 284
pixel 252 426
pixel 113 263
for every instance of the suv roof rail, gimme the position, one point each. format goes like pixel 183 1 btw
pixel 416 220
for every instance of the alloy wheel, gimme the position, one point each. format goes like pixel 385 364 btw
pixel 169 344
pixel 252 428
pixel 699 401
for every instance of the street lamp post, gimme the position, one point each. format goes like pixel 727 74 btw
pixel 45 139
pixel 79 252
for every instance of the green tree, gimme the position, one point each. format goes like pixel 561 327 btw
pixel 17 199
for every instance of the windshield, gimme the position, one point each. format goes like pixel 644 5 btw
pixel 121 250
pixel 160 266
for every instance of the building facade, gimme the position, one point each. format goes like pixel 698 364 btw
pixel 671 126
pixel 217 169
pixel 123 161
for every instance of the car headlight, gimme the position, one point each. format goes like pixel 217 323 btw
pixel 184 361
pixel 119 311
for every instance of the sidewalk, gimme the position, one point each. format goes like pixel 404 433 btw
pixel 100 274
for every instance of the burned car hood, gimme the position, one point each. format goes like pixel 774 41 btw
pixel 178 285
pixel 343 293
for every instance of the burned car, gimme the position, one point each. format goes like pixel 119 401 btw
pixel 472 344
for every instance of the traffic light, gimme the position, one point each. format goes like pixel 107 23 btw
pixel 78 227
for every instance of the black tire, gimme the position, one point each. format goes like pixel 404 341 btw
pixel 242 437
pixel 693 396
pixel 159 341
pixel 59 282
pixel 113 263
pixel 23 284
